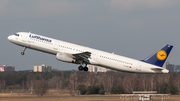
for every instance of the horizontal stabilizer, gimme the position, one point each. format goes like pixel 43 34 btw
pixel 157 69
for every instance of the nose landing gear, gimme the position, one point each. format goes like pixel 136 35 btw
pixel 22 53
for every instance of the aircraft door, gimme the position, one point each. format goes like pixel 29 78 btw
pixel 95 55
pixel 24 38
pixel 139 66
pixel 55 46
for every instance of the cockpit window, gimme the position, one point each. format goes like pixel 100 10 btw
pixel 16 34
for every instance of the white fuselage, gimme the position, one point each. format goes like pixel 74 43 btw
pixel 99 58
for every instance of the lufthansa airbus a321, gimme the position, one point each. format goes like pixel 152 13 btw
pixel 72 53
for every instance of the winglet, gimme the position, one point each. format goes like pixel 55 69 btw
pixel 158 58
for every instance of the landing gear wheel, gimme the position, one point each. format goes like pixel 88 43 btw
pixel 80 68
pixel 22 53
pixel 85 69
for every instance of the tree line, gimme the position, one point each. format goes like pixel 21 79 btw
pixel 89 83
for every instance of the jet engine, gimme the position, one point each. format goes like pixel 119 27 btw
pixel 65 57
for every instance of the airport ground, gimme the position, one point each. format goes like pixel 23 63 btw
pixel 66 97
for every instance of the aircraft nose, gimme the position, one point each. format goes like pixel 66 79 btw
pixel 10 37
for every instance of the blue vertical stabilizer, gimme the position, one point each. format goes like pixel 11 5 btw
pixel 158 58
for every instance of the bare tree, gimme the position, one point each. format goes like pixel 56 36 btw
pixel 90 79
pixel 73 83
pixel 118 79
pixel 108 82
pixel 166 78
pixel 130 83
pixel 105 82
pixel 52 83
pixel 40 87
pixel 162 81
pixel 2 85
pixel 152 83
pixel 55 83
pixel 62 80
pixel 144 83
pixel 30 82
pixel 176 82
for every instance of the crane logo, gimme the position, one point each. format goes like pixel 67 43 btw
pixel 161 55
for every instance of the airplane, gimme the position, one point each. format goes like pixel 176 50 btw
pixel 72 53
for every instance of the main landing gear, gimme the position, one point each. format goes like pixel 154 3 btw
pixel 81 68
pixel 22 53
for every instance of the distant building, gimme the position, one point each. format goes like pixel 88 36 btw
pixel 169 66
pixel 6 68
pixel 93 68
pixel 177 68
pixel 42 68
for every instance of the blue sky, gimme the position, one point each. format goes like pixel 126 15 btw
pixel 132 28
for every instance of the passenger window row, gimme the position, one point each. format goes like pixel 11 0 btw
pixel 71 48
pixel 116 60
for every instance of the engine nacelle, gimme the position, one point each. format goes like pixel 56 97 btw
pixel 64 57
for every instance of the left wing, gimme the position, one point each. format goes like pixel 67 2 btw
pixel 83 56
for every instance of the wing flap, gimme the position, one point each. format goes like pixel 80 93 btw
pixel 80 56
pixel 83 56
